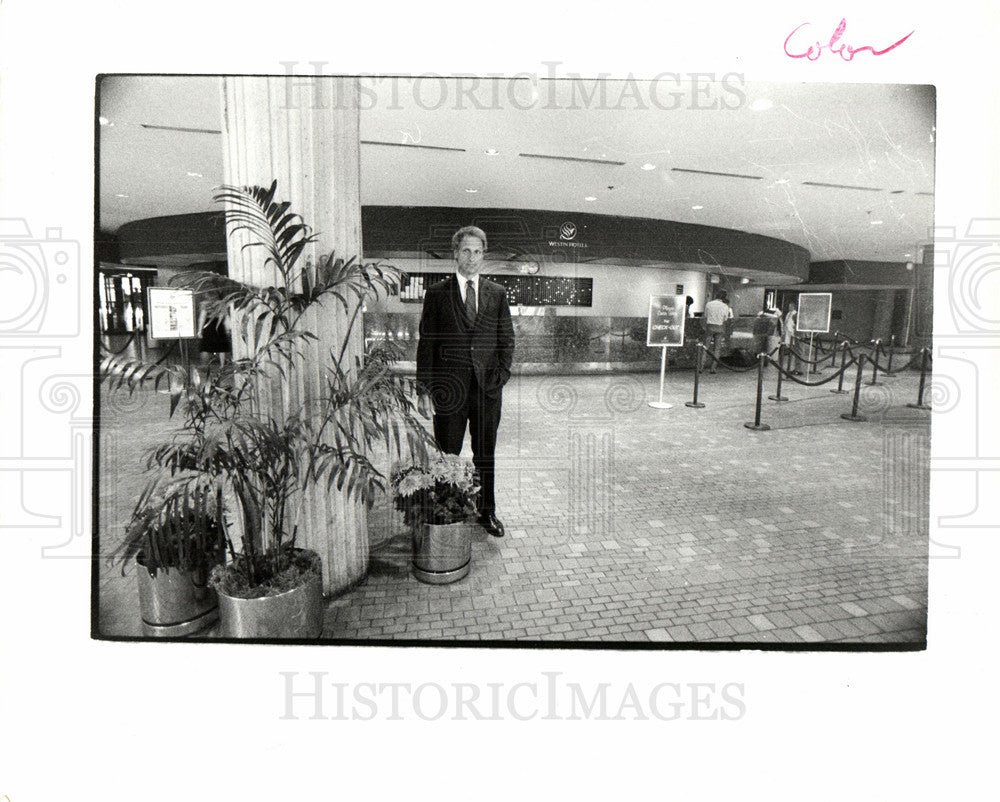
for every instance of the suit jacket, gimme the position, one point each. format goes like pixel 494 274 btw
pixel 451 346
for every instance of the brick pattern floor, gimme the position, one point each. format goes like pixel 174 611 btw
pixel 632 524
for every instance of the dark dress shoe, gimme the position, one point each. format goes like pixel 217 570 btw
pixel 491 524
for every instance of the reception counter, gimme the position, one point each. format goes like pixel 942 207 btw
pixel 576 344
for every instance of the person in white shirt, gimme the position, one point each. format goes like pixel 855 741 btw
pixel 788 338
pixel 717 312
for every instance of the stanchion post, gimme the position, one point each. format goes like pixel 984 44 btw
pixel 699 355
pixel 777 391
pixel 757 426
pixel 892 348
pixel 878 347
pixel 854 416
pixel 843 361
pixel 923 379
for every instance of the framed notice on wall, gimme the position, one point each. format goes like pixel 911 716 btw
pixel 171 313
pixel 666 321
pixel 814 312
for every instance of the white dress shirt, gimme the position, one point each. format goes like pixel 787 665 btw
pixel 462 285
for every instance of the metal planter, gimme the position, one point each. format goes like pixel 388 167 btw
pixel 442 553
pixel 296 614
pixel 174 603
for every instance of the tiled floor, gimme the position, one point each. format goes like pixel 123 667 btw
pixel 633 524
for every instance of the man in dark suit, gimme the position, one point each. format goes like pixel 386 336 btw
pixel 464 355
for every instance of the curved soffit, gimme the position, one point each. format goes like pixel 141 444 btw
pixel 515 235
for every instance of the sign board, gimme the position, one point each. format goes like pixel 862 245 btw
pixel 171 313
pixel 814 312
pixel 666 321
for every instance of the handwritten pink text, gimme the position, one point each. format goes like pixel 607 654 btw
pixel 846 51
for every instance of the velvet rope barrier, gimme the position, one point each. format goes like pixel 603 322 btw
pixel 170 349
pixel 821 382
pixel 128 342
pixel 720 363
pixel 790 350
pixel 916 359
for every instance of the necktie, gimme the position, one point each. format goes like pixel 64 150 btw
pixel 470 300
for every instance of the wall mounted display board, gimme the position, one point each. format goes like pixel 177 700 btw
pixel 814 312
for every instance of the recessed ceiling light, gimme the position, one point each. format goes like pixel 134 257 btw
pixel 470 189
pixel 781 181
pixel 761 104
pixel 648 166
pixel 590 198
pixel 103 120
pixel 121 195
pixel 875 222
pixel 195 175
pixel 491 152
pixel 696 208
pixel 907 255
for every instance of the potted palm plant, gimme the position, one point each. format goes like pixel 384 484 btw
pixel 262 447
pixel 174 538
pixel 438 502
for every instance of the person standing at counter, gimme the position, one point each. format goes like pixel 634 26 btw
pixel 464 356
pixel 788 338
pixel 771 328
pixel 717 312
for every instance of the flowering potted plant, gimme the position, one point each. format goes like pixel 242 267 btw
pixel 438 501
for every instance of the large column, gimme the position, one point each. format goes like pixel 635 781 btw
pixel 305 134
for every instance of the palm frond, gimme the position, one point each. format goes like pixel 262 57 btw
pixel 281 234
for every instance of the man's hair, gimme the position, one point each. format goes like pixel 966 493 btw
pixel 468 231
pixel 722 296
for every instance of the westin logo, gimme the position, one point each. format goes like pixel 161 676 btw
pixel 567 231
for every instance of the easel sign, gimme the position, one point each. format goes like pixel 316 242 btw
pixel 665 329
pixel 171 314
pixel 814 312
pixel 171 317
pixel 813 317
